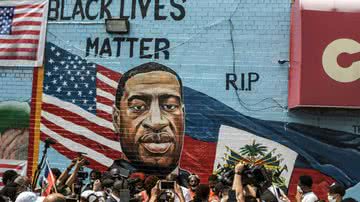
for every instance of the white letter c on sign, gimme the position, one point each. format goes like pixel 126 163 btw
pixel 330 63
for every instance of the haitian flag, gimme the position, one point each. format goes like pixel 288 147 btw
pixel 49 180
pixel 76 110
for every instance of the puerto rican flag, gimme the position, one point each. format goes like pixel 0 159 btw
pixel 77 100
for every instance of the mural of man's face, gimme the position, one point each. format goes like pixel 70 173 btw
pixel 151 120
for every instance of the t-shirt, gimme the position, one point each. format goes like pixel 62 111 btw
pixel 186 194
pixel 309 197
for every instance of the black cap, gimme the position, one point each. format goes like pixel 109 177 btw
pixel 337 188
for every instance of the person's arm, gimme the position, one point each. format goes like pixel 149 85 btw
pixel 298 196
pixel 71 180
pixel 64 175
pixel 237 183
pixel 155 192
pixel 97 185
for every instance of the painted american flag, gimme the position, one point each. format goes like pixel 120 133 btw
pixel 22 32
pixel 18 165
pixel 77 105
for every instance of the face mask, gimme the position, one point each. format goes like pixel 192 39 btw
pixel 331 198
pixel 299 189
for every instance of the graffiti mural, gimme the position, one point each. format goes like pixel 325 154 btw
pixel 192 88
pixel 14 130
pixel 145 120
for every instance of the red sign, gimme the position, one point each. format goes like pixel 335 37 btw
pixel 325 58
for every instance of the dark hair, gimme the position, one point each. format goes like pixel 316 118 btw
pixel 202 193
pixel 149 183
pixel 10 191
pixel 56 172
pixel 250 199
pixel 212 178
pixel 9 176
pixel 306 180
pixel 97 174
pixel 337 188
pixel 144 68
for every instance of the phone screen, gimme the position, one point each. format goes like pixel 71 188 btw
pixel 167 184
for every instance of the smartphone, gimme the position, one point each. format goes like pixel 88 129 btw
pixel 167 184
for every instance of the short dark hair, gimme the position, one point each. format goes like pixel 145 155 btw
pixel 202 193
pixel 337 188
pixel 56 172
pixel 306 180
pixel 9 176
pixel 97 173
pixel 144 68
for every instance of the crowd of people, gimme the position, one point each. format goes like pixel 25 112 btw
pixel 117 185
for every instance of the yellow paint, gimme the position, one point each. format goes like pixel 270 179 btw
pixel 38 100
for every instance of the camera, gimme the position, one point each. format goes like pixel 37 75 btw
pixel 167 184
pixel 257 176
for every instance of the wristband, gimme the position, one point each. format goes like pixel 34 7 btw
pixel 237 173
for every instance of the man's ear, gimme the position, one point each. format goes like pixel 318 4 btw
pixel 116 119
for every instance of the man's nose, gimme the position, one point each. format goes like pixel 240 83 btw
pixel 155 119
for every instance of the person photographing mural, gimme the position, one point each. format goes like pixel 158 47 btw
pixel 252 183
pixel 149 118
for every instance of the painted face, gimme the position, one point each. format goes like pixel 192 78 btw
pixel 151 120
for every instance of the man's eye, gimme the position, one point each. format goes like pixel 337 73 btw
pixel 138 108
pixel 169 107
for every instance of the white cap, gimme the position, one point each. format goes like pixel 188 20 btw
pixel 27 196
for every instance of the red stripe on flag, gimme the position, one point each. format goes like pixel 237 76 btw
pixel 1 174
pixel 26 32
pixel 105 87
pixel 79 120
pixel 21 23
pixel 104 100
pixel 113 75
pixel 18 57
pixel 1 184
pixel 72 155
pixel 9 166
pixel 33 14
pixel 30 6
pixel 104 115
pixel 17 41
pixel 96 146
pixel 18 49
pixel 205 156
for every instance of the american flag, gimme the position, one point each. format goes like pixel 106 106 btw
pixel 18 165
pixel 77 105
pixel 22 32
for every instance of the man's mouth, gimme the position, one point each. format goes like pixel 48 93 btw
pixel 157 143
pixel 157 148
